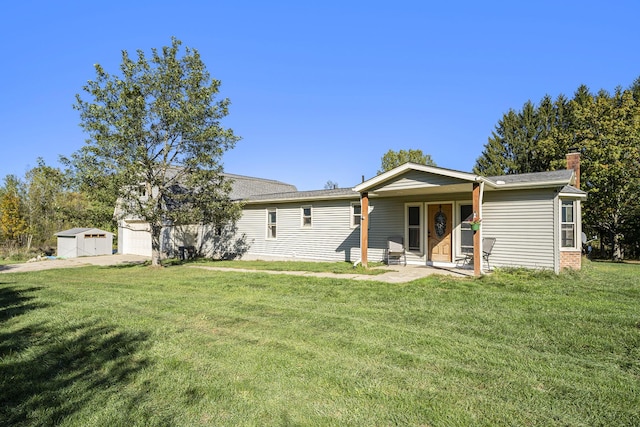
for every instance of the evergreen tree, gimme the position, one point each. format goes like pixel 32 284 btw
pixel 606 130
pixel 44 197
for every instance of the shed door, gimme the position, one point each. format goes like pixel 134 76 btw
pixel 439 233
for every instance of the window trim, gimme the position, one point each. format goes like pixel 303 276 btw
pixel 353 215
pixel 459 221
pixel 302 216
pixel 269 225
pixel 421 227
pixel 95 236
pixel 574 222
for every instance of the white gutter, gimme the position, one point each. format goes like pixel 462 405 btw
pixel 544 184
pixel 353 196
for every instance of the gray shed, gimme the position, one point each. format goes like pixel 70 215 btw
pixel 78 242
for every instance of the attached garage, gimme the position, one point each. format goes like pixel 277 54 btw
pixel 78 242
pixel 134 238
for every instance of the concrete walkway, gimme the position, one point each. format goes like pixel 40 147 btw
pixel 398 274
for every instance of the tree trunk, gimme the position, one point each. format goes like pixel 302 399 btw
pixel 618 254
pixel 156 230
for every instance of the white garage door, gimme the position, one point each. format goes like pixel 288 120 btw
pixel 136 239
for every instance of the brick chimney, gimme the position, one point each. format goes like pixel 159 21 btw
pixel 573 162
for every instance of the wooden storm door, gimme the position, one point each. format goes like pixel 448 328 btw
pixel 440 222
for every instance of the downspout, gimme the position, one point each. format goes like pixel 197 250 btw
pixel 480 213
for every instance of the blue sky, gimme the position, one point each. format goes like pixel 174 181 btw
pixel 320 90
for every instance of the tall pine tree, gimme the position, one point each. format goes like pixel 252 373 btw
pixel 606 130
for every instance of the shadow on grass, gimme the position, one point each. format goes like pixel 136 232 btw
pixel 49 371
pixel 125 265
pixel 15 302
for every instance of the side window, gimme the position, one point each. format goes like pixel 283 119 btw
pixel 306 216
pixel 271 223
pixel 356 214
pixel 414 228
pixel 568 224
pixel 466 234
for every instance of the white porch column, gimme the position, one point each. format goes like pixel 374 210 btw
pixel 364 228
pixel 477 242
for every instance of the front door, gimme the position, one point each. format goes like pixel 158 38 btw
pixel 439 233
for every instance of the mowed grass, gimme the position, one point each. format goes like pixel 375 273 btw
pixel 317 267
pixel 135 346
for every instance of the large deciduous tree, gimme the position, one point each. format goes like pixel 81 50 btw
pixel 45 191
pixel 392 159
pixel 608 130
pixel 156 141
pixel 13 223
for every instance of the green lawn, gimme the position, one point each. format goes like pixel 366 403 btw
pixel 136 346
pixel 318 267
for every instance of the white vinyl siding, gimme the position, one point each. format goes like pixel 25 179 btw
pixel 415 179
pixel 331 238
pixel 522 221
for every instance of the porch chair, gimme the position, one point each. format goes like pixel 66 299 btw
pixel 487 247
pixel 395 248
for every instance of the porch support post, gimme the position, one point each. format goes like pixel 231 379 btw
pixel 364 229
pixel 477 249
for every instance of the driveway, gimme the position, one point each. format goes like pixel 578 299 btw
pixel 72 262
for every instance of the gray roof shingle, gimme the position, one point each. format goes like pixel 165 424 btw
pixel 76 231
pixel 243 187
pixel 313 194
pixel 562 174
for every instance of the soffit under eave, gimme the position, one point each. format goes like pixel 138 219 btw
pixel 464 187
pixel 401 171
pixel 419 181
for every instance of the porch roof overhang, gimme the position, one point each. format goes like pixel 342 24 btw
pixel 444 181
pixel 411 178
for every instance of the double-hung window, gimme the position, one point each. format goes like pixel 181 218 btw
pixel 306 216
pixel 356 214
pixel 271 223
pixel 466 234
pixel 568 224
pixel 414 227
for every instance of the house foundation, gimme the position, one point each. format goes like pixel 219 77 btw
pixel 570 259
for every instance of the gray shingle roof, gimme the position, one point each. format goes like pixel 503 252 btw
pixel 569 189
pixel 313 194
pixel 243 187
pixel 562 174
pixel 75 231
